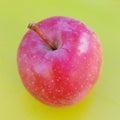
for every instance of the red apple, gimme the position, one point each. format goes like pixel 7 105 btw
pixel 59 60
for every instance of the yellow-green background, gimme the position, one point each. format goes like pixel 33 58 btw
pixel 103 16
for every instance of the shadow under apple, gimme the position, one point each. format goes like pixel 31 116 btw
pixel 43 112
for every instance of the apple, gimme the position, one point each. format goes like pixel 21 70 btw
pixel 59 60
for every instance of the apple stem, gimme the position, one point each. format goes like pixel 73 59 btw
pixel 35 28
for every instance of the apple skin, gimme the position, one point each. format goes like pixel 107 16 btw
pixel 64 76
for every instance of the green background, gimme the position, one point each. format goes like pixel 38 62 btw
pixel 103 16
